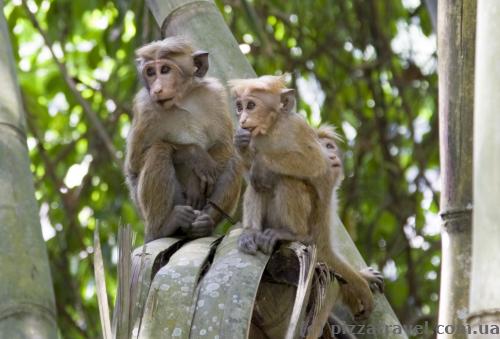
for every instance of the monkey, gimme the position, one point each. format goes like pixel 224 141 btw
pixel 328 138
pixel 181 166
pixel 293 203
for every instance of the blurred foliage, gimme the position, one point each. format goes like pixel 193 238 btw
pixel 369 67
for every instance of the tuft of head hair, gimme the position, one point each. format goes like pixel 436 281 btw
pixel 328 131
pixel 267 83
pixel 159 49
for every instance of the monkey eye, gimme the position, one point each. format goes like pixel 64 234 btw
pixel 330 146
pixel 251 105
pixel 239 106
pixel 164 69
pixel 150 71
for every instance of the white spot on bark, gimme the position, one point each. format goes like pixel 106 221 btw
pixel 212 287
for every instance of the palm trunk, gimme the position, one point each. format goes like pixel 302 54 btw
pixel 27 307
pixel 201 22
pixel 484 291
pixel 456 36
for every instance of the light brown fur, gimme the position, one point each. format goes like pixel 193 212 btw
pixel 196 117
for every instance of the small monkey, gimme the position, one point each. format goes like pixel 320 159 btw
pixel 328 139
pixel 180 157
pixel 293 202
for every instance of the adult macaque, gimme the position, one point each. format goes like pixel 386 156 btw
pixel 293 202
pixel 180 158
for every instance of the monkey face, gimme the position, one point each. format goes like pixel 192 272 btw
pixel 256 112
pixel 162 78
pixel 334 155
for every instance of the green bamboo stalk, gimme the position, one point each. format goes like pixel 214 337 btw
pixel 484 293
pixel 456 39
pixel 27 307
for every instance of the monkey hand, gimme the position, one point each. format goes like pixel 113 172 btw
pixel 202 226
pixel 267 239
pixel 374 278
pixel 358 296
pixel 242 138
pixel 246 242
pixel 195 196
pixel 206 171
pixel 182 216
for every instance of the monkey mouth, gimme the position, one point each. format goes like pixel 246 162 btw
pixel 251 129
pixel 163 101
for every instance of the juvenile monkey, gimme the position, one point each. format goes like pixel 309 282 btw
pixel 328 139
pixel 293 202
pixel 180 157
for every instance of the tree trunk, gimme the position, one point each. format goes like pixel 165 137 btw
pixel 201 23
pixel 27 307
pixel 484 291
pixel 456 36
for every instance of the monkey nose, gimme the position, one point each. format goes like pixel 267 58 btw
pixel 157 90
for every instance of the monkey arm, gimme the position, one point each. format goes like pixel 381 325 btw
pixel 246 156
pixel 227 188
pixel 242 140
pixel 133 161
pixel 356 293
pixel 191 155
pixel 261 179
pixel 199 161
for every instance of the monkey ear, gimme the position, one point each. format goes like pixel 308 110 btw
pixel 287 100
pixel 139 62
pixel 200 59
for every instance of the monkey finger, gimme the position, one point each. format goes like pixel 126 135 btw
pixel 380 285
pixel 199 233
pixel 202 226
pixel 266 243
pixel 195 201
pixel 187 218
pixel 246 243
pixel 203 223
pixel 187 211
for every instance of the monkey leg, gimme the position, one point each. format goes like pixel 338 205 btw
pixel 356 292
pixel 156 189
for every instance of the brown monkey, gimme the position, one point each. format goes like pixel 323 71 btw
pixel 179 150
pixel 302 182
pixel 328 139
